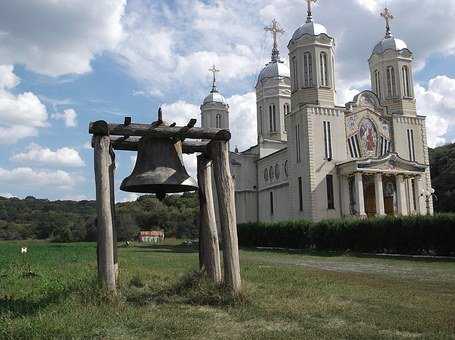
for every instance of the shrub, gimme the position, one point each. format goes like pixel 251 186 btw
pixel 399 235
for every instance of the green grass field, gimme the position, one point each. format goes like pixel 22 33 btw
pixel 286 296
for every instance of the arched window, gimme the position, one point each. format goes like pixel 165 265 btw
pixel 406 82
pixel 272 117
pixel 308 69
pixel 295 74
pixel 260 119
pixel 286 109
pixel 324 71
pixel 218 121
pixel 377 83
pixel 391 82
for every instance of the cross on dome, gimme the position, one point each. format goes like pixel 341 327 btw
pixel 274 29
pixel 387 15
pixel 214 71
pixel 310 15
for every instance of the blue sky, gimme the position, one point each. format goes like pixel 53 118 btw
pixel 64 64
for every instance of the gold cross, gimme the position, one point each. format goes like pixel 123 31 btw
pixel 387 15
pixel 275 29
pixel 214 71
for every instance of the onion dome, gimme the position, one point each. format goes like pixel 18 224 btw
pixel 389 42
pixel 276 68
pixel 214 96
pixel 310 27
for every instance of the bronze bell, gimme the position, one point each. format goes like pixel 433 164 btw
pixel 159 169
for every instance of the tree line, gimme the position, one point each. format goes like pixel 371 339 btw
pixel 177 215
pixel 70 221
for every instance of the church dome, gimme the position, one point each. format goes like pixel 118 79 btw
pixel 274 69
pixel 310 28
pixel 215 97
pixel 389 43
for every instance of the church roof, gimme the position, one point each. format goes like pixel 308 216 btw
pixel 274 69
pixel 310 28
pixel 389 43
pixel 215 97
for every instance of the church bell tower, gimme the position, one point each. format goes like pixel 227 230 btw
pixel 214 109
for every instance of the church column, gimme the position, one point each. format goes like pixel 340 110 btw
pixel 410 195
pixel 379 195
pixel 359 194
pixel 401 196
pixel 345 197
pixel 420 209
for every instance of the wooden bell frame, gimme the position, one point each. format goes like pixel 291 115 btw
pixel 212 166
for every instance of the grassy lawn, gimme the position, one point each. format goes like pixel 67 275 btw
pixel 286 296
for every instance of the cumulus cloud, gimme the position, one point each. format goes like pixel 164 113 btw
pixel 26 177
pixel 58 37
pixel 37 154
pixel 20 115
pixel 69 116
pixel 438 104
pixel 180 112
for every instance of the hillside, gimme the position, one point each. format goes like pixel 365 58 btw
pixel 75 221
pixel 442 160
pixel 177 215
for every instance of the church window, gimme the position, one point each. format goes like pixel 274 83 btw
pixel 406 82
pixel 300 194
pixel 260 120
pixel 272 117
pixel 308 69
pixel 377 82
pixel 271 203
pixel 328 141
pixel 324 71
pixel 391 82
pixel 286 168
pixel 354 146
pixel 330 196
pixel 411 146
pixel 271 174
pixel 384 146
pixel 218 121
pixel 297 143
pixel 277 171
pixel 287 110
pixel 266 174
pixel 295 74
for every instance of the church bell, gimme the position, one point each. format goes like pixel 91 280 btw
pixel 159 169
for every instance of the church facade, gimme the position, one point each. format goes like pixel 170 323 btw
pixel 316 160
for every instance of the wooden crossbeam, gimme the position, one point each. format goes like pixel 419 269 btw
pixel 132 143
pixel 102 127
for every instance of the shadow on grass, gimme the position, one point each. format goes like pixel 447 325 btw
pixel 194 288
pixel 328 253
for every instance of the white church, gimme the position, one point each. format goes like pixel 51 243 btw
pixel 315 160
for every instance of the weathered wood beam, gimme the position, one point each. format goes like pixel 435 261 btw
pixel 159 131
pixel 132 143
pixel 209 251
pixel 219 153
pixel 105 223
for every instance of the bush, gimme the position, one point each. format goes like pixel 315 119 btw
pixel 396 235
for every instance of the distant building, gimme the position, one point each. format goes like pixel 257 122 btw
pixel 316 160
pixel 151 236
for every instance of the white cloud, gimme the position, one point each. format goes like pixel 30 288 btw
pixel 58 37
pixel 180 112
pixel 20 115
pixel 438 104
pixel 243 120
pixel 25 177
pixel 69 116
pixel 37 154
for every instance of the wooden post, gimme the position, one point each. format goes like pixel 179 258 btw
pixel 102 161
pixel 114 219
pixel 209 251
pixel 219 153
